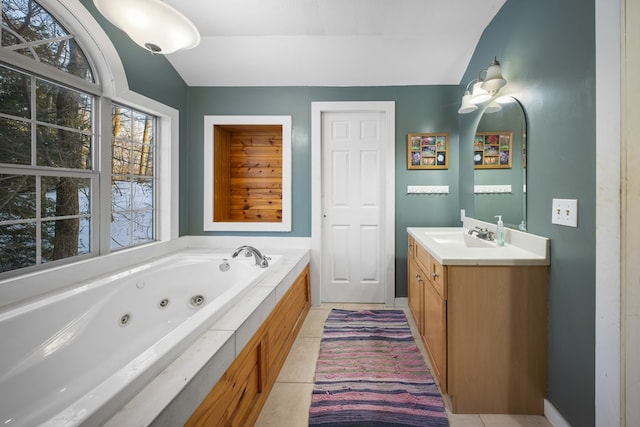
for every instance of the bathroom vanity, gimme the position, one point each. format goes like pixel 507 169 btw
pixel 481 310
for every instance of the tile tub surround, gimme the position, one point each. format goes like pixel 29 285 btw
pixel 175 393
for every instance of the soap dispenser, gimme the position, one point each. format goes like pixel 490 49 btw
pixel 500 231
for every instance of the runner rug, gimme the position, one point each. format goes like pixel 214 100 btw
pixel 370 373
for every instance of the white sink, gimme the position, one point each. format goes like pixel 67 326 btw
pixel 460 239
pixel 454 245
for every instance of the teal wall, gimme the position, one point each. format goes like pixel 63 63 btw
pixel 418 109
pixel 547 49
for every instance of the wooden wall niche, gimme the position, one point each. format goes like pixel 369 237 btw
pixel 248 173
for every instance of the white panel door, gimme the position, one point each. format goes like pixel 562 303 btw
pixel 352 178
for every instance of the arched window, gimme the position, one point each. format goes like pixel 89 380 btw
pixel 52 162
pixel 28 29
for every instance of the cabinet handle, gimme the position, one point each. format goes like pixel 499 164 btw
pixel 418 278
pixel 436 275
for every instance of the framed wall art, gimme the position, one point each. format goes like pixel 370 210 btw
pixel 428 151
pixel 492 150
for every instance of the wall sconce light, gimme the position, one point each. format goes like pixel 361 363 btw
pixel 152 24
pixel 479 94
pixel 493 107
pixel 467 106
pixel 494 81
pixel 483 89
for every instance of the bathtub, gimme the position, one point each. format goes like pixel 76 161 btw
pixel 68 356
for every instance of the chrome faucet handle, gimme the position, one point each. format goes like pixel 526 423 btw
pixel 224 266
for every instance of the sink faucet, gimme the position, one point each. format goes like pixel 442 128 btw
pixel 482 233
pixel 261 260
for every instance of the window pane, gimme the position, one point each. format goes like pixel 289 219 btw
pixel 121 122
pixel 15 93
pixel 143 159
pixel 143 227
pixel 63 196
pixel 121 192
pixel 64 238
pixel 63 107
pixel 25 21
pixel 18 245
pixel 120 230
pixel 17 197
pixel 142 128
pixel 142 194
pixel 63 149
pixel 121 159
pixel 15 142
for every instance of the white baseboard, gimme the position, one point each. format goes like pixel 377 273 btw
pixel 553 416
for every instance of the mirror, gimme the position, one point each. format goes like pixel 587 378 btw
pixel 501 190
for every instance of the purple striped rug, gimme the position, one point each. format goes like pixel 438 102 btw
pixel 370 373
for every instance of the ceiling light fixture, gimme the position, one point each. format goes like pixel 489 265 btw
pixel 483 89
pixel 152 24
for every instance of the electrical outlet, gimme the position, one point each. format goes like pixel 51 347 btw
pixel 565 212
pixel 462 215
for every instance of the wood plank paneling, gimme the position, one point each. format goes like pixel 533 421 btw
pixel 251 188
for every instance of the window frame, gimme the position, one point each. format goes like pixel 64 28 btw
pixel 111 87
pixel 153 178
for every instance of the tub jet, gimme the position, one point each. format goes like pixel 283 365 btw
pixel 197 300
pixel 125 319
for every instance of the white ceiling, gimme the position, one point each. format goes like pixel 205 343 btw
pixel 331 42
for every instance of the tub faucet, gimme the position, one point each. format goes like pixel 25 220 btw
pixel 261 260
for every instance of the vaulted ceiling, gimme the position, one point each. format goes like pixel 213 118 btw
pixel 331 42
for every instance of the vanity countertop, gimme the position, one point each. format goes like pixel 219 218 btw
pixel 446 245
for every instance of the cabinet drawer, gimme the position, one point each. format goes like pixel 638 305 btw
pixel 424 259
pixel 439 278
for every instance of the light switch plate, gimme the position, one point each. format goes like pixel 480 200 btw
pixel 565 212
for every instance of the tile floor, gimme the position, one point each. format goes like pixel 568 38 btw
pixel 289 401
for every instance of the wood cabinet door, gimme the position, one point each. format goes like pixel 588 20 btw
pixel 415 291
pixel 435 333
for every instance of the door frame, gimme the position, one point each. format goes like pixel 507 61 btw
pixel 388 220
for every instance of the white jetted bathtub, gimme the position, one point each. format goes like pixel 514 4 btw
pixel 66 356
